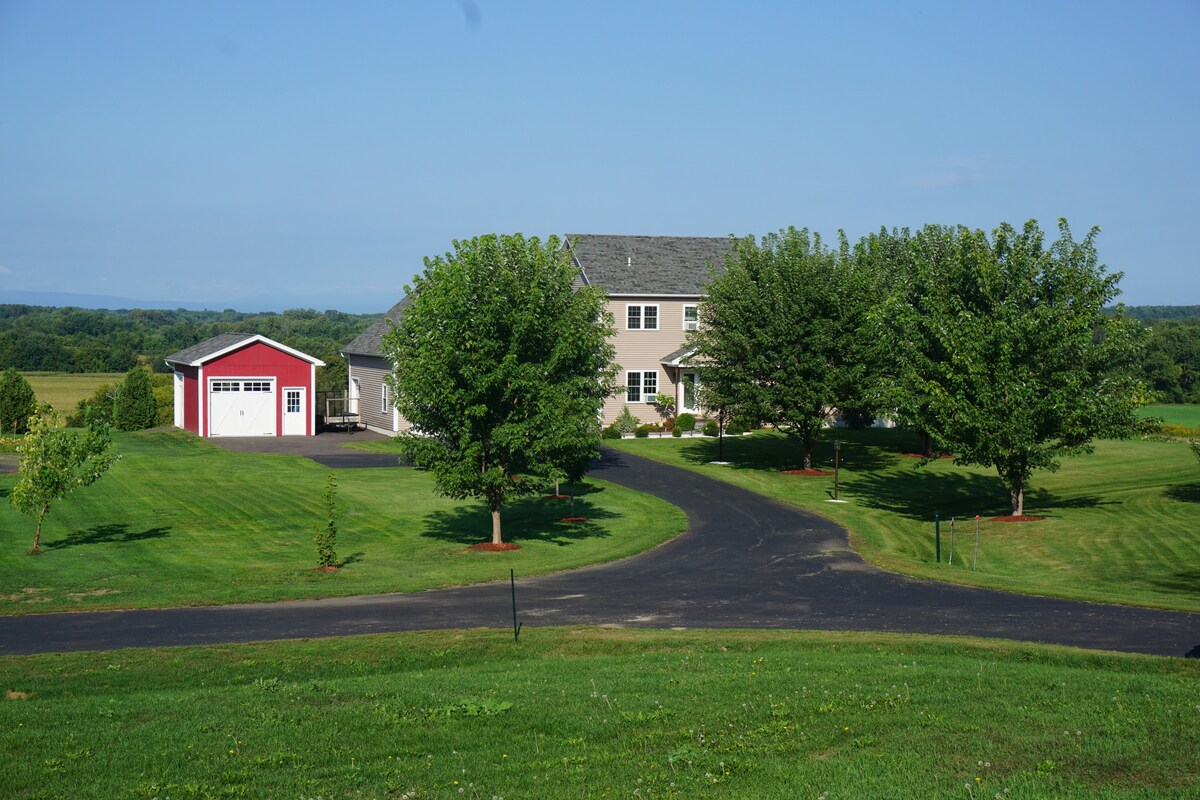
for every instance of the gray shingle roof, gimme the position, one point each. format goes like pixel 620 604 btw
pixel 198 353
pixel 649 264
pixel 190 355
pixel 368 343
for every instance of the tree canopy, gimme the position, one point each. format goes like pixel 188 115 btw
pixel 1002 350
pixel 780 333
pixel 501 368
pixel 135 408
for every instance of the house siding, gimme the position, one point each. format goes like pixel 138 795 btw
pixel 643 350
pixel 371 371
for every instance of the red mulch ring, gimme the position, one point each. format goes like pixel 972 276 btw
pixel 1016 518
pixel 488 547
pixel 326 569
pixel 572 519
pixel 808 473
pixel 918 455
pixel 556 497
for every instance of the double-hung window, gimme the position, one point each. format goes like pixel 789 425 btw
pixel 641 387
pixel 691 317
pixel 387 398
pixel 641 317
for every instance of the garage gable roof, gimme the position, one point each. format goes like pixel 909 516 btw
pixel 200 354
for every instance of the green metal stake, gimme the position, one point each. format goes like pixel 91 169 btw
pixel 937 536
pixel 512 577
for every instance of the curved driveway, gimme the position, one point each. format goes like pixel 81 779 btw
pixel 745 561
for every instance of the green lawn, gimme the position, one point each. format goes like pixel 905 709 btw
pixel 588 713
pixel 180 521
pixel 1123 525
pixel 1185 415
pixel 64 390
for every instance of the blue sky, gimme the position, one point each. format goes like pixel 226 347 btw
pixel 259 153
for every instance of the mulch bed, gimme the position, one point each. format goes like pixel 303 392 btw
pixel 572 519
pixel 327 569
pixel 556 497
pixel 1021 518
pixel 488 547
pixel 808 473
pixel 918 455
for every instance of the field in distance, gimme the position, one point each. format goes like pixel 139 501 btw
pixel 64 390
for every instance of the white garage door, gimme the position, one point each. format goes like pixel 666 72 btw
pixel 241 407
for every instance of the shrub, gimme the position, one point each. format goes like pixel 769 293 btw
pixel 99 406
pixel 668 425
pixel 739 425
pixel 164 397
pixel 711 428
pixel 134 408
pixel 17 402
pixel 676 432
pixel 686 422
pixel 858 418
pixel 626 422
pixel 642 431
pixel 610 432
pixel 1180 431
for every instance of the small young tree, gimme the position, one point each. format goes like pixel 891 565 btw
pixel 326 536
pixel 17 402
pixel 502 366
pixel 135 408
pixel 55 462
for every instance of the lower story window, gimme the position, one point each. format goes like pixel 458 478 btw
pixel 641 386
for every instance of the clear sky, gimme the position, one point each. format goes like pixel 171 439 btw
pixel 235 151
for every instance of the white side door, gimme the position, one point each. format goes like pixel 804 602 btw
pixel 295 411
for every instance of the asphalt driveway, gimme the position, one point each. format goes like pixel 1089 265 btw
pixel 745 562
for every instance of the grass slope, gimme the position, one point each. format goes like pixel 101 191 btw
pixel 1123 524
pixel 180 521
pixel 64 390
pixel 602 713
pixel 1184 414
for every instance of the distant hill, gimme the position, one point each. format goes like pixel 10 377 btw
pixel 264 304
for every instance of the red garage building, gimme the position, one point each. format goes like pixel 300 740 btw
pixel 243 384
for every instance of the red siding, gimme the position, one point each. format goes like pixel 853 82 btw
pixel 259 360
pixel 191 410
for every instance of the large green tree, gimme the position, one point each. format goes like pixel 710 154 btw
pixel 780 336
pixel 17 402
pixel 1002 352
pixel 135 408
pixel 55 462
pixel 502 368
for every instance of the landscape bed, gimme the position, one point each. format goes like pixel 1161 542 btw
pixel 181 521
pixel 1121 524
pixel 602 713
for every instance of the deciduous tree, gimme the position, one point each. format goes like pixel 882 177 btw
pixel 55 462
pixel 502 368
pixel 780 332
pixel 1002 352
pixel 17 402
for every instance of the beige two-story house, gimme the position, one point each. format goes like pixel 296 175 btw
pixel 654 285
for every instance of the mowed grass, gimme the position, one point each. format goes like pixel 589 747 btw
pixel 64 390
pixel 588 713
pixel 180 521
pixel 1185 415
pixel 1122 526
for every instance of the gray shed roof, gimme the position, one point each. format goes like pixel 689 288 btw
pixel 649 264
pixel 224 342
pixel 369 342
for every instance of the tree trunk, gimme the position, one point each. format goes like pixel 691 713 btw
pixel 496 527
pixel 37 537
pixel 1017 493
pixel 926 444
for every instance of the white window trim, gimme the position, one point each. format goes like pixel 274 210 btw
pixel 642 316
pixel 696 321
pixel 386 395
pixel 643 396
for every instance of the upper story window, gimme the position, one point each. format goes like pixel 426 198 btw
pixel 691 317
pixel 641 317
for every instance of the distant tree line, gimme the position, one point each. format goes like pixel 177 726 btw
pixel 40 338
pixel 1172 363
